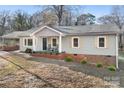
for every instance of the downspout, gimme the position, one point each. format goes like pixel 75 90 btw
pixel 117 51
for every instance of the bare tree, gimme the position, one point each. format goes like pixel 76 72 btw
pixel 106 19
pixel 67 19
pixel 59 9
pixel 4 17
pixel 116 17
pixel 64 13
pixel 49 19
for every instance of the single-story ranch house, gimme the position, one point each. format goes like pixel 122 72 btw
pixel 98 43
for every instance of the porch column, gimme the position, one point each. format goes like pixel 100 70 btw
pixel 60 44
pixel 34 44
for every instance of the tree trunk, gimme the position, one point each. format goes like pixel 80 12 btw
pixel 59 21
pixel 120 42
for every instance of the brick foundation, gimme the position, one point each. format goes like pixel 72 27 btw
pixel 105 60
pixel 9 48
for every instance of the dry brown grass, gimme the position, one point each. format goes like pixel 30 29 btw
pixel 38 74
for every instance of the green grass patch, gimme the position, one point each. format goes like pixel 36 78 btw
pixel 83 61
pixel 46 52
pixel 68 59
pixel 112 68
pixel 99 65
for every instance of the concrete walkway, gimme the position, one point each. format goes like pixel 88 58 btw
pixel 3 53
pixel 121 58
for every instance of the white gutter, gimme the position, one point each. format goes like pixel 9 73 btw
pixel 117 51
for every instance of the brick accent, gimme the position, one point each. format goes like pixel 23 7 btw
pixel 105 60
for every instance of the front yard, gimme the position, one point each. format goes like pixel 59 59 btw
pixel 16 71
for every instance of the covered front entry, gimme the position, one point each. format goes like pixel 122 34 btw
pixel 47 39
pixel 50 43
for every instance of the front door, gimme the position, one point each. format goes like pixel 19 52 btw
pixel 44 43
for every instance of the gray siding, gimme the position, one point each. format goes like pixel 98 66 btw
pixel 46 32
pixel 87 45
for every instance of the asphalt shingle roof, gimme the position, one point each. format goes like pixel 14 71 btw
pixel 88 28
pixel 13 35
pixel 72 30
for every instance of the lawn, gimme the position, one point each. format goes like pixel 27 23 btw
pixel 25 73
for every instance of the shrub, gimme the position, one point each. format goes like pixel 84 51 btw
pixel 68 59
pixel 28 50
pixel 112 68
pixel 83 61
pixel 55 52
pixel 99 65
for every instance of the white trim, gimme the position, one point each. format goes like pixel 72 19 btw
pixel 72 43
pixel 117 52
pixel 98 41
pixel 48 28
pixel 34 43
pixel 60 43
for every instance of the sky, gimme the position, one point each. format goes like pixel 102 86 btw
pixel 97 10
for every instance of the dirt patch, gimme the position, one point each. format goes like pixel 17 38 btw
pixel 3 63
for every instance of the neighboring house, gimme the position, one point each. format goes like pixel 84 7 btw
pixel 11 39
pixel 93 41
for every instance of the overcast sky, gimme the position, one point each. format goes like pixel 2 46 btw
pixel 97 10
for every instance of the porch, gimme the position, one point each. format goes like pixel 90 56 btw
pixel 48 43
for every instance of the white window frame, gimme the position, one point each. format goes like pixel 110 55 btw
pixel 73 42
pixel 27 42
pixel 98 41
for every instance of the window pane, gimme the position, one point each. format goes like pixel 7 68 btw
pixel 75 42
pixel 25 42
pixel 29 42
pixel 101 39
pixel 54 42
pixel 101 42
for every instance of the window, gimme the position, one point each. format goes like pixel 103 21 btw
pixel 54 42
pixel 75 42
pixel 28 42
pixel 101 42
